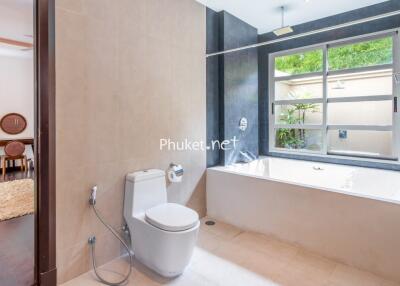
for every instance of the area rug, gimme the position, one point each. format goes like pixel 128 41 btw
pixel 16 199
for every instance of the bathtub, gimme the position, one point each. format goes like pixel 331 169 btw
pixel 350 214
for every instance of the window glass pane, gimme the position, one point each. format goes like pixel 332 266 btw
pixel 299 89
pixel 361 84
pixel 300 63
pixel 360 143
pixel 360 113
pixel 299 139
pixel 363 54
pixel 299 114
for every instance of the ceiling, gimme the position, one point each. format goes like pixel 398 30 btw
pixel 265 15
pixel 16 23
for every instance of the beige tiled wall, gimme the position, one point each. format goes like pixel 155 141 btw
pixel 129 72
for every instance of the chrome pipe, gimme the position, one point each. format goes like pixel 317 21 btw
pixel 92 243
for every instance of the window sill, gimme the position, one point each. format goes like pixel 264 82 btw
pixel 341 160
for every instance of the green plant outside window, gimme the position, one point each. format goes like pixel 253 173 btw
pixel 363 54
pixel 290 138
pixel 300 63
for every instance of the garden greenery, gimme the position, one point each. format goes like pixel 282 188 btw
pixel 363 54
pixel 375 52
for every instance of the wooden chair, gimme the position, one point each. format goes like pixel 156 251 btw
pixel 14 150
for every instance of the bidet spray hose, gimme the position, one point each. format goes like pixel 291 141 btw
pixel 92 241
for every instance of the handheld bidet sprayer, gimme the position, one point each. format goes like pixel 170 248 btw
pixel 92 243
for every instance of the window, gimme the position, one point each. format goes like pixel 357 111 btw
pixel 337 99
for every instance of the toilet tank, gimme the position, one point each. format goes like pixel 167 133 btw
pixel 144 190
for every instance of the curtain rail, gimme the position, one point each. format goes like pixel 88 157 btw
pixel 340 26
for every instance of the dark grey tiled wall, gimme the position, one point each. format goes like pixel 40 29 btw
pixel 234 77
pixel 366 28
pixel 239 87
pixel 212 83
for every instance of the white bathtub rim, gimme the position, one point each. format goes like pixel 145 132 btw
pixel 332 190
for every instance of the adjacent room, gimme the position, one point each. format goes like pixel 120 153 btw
pixel 16 142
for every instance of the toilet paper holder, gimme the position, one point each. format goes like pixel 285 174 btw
pixel 175 173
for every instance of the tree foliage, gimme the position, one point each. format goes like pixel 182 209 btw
pixel 368 53
pixel 294 138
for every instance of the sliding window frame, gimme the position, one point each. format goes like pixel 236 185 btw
pixel 396 93
pixel 273 102
pixel 393 128
pixel 325 127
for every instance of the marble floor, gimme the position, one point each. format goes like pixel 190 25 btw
pixel 225 255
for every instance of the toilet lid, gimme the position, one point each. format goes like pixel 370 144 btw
pixel 172 217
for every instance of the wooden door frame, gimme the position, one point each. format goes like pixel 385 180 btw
pixel 45 156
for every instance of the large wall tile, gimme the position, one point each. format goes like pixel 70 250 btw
pixel 129 73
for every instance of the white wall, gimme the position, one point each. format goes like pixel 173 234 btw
pixel 16 19
pixel 17 91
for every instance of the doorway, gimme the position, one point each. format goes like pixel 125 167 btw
pixel 45 164
pixel 27 143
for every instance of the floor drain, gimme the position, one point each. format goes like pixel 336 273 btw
pixel 210 222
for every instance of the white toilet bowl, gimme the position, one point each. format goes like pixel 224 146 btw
pixel 163 234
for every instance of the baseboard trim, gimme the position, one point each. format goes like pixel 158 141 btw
pixel 48 278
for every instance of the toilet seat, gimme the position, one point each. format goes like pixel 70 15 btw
pixel 172 217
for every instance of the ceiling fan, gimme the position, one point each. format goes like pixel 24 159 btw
pixel 31 48
pixel 23 46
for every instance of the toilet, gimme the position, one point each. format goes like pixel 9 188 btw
pixel 163 234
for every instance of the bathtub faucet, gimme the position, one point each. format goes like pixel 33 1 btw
pixel 247 156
